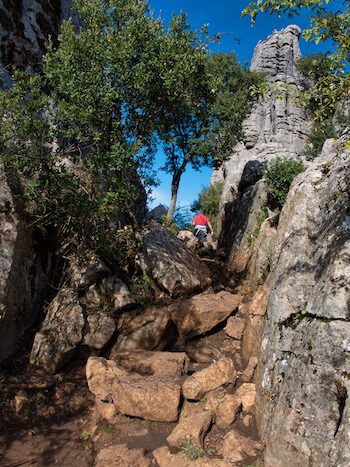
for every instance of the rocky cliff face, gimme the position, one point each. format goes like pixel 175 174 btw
pixel 304 361
pixel 276 127
pixel 25 26
pixel 22 271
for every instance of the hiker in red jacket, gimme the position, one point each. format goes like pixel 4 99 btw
pixel 202 226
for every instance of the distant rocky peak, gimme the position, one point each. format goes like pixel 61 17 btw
pixel 277 55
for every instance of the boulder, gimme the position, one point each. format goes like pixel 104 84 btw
pixel 86 269
pixel 236 448
pixel 105 410
pixel 147 397
pixel 216 375
pixel 61 332
pixel 202 354
pixel 235 327
pixel 188 238
pixel 110 293
pixel 225 406
pixel 248 373
pixel 100 375
pixel 247 394
pixel 203 312
pixel 165 458
pixel 100 330
pixel 194 426
pixel 172 265
pixel 165 365
pixel 120 455
pixel 152 329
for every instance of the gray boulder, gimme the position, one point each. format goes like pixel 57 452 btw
pixel 171 264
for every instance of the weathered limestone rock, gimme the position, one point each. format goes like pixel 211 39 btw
pixel 193 426
pixel 164 458
pixel 23 270
pixel 87 269
pixel 203 312
pixel 225 406
pixel 252 336
pixel 248 373
pixel 61 332
pixel 111 294
pixel 164 365
pixel 236 447
pixel 247 394
pixel 200 354
pixel 235 327
pixel 24 29
pixel 172 265
pixel 105 410
pixel 276 127
pixel 188 238
pixel 147 397
pixel 212 377
pixel 302 382
pixel 120 455
pixel 100 329
pixel 153 329
pixel 100 375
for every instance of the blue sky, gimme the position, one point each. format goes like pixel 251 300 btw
pixel 222 16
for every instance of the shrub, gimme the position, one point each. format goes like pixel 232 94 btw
pixel 319 135
pixel 279 176
pixel 191 451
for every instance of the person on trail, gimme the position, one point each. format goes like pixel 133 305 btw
pixel 202 227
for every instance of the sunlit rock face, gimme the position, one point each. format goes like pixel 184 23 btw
pixel 303 372
pixel 277 126
pixel 25 26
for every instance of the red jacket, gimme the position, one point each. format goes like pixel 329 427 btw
pixel 200 219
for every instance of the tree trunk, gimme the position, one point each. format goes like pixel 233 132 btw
pixel 174 189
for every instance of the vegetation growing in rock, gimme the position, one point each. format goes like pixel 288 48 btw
pixel 279 176
pixel 262 215
pixel 191 451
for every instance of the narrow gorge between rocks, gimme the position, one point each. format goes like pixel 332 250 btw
pixel 242 355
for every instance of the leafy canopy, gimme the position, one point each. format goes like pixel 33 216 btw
pixel 80 132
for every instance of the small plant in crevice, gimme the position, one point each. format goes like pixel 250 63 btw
pixel 106 430
pixel 295 319
pixel 191 451
pixel 85 436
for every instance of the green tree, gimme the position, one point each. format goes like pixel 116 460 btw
pixel 204 102
pixel 80 132
pixel 330 21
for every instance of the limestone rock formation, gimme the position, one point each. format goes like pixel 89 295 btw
pixel 203 312
pixel 153 329
pixel 121 455
pixel 24 29
pixel 23 269
pixel 276 127
pixel 171 264
pixel 147 397
pixel 215 375
pixel 303 373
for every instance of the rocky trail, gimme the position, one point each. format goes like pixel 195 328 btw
pixel 191 403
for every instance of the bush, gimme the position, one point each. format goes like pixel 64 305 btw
pixel 319 135
pixel 279 176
